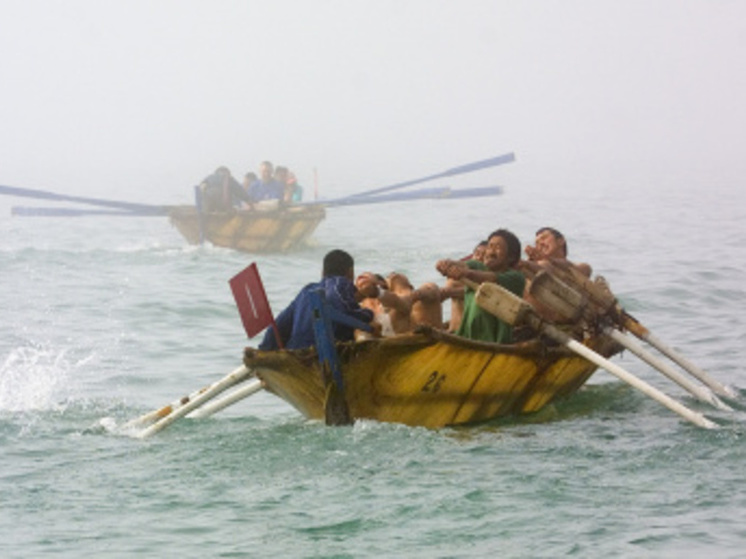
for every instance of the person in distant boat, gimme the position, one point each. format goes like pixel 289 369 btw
pixel 249 179
pixel 221 192
pixel 266 187
pixel 295 323
pixel 499 266
pixel 293 191
pixel 550 244
pixel 398 306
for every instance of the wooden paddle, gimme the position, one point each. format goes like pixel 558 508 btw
pixel 210 408
pixel 572 307
pixel 253 305
pixel 163 417
pixel 515 311
pixel 606 303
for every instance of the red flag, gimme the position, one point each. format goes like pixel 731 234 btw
pixel 251 300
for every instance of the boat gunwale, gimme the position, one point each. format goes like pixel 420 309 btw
pixel 423 336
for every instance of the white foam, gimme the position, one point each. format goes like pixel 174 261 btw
pixel 33 378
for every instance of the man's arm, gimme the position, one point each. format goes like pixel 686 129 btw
pixel 458 270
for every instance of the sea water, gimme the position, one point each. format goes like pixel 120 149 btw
pixel 104 319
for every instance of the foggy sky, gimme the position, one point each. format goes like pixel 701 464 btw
pixel 141 99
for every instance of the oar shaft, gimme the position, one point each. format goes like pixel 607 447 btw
pixel 27 211
pixel 691 368
pixel 460 170
pixel 622 374
pixel 44 195
pixel 210 408
pixel 168 414
pixel 702 393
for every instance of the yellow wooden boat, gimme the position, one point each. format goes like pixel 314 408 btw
pixel 431 378
pixel 276 229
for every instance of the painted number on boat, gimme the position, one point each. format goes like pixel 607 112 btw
pixel 433 382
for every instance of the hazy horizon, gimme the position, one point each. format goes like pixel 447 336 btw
pixel 139 100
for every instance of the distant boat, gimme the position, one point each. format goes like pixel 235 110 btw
pixel 430 379
pixel 267 230
pixel 275 228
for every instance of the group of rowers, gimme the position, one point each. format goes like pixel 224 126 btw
pixel 220 192
pixel 392 306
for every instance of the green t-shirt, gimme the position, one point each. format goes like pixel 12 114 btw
pixel 478 324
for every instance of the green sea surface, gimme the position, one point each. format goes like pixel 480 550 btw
pixel 104 319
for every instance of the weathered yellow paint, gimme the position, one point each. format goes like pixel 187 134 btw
pixel 431 380
pixel 274 230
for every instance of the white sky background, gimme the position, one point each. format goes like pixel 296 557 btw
pixel 140 99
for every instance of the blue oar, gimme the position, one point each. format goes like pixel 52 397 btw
pixel 26 211
pixel 431 193
pixel 138 209
pixel 439 192
pixel 443 193
pixel 468 168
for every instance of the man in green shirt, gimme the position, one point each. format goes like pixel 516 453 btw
pixel 498 266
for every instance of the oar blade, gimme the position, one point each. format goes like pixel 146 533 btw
pixel 251 300
pixel 478 165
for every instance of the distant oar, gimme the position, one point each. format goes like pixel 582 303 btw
pixel 514 310
pixel 27 211
pixel 468 168
pixel 141 209
pixel 423 194
pixel 441 193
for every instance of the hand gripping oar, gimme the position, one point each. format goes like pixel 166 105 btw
pixel 514 310
pixel 604 300
pixel 573 307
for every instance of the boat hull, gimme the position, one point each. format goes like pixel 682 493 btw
pixel 254 231
pixel 432 379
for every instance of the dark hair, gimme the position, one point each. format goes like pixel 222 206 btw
pixel 556 234
pixel 337 263
pixel 514 245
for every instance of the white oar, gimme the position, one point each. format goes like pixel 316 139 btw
pixel 584 351
pixel 250 387
pixel 644 334
pixel 603 298
pixel 701 392
pixel 571 305
pixel 179 408
pixel 514 310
